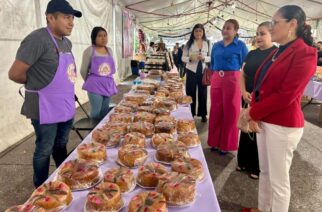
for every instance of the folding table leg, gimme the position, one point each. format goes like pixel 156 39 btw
pixel 78 133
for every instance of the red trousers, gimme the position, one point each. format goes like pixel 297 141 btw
pixel 224 111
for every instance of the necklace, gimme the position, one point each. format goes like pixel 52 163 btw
pixel 274 56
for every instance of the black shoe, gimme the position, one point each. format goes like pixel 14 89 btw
pixel 222 152
pixel 204 119
pixel 214 149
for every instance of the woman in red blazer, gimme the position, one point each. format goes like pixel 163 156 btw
pixel 275 112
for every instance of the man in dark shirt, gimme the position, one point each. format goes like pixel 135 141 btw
pixel 45 65
pixel 319 47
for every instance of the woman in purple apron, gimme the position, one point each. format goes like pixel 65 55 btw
pixel 97 70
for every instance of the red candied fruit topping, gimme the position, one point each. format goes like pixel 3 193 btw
pixel 153 193
pixel 28 206
pixel 98 201
pixel 81 169
pixel 40 189
pixel 91 198
pixel 61 186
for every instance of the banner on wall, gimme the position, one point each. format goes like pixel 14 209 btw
pixel 128 26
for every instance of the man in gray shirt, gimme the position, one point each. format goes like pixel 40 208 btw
pixel 44 63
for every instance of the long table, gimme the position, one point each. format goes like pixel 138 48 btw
pixel 206 197
pixel 314 91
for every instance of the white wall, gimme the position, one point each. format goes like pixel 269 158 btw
pixel 18 19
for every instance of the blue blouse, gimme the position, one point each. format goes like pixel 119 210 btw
pixel 228 58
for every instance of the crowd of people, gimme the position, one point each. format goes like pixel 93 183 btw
pixel 267 81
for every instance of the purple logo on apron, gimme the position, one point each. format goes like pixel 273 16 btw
pixel 56 100
pixel 100 79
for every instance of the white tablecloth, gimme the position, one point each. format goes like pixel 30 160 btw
pixel 206 197
pixel 314 90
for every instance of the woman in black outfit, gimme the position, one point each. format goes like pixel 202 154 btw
pixel 247 151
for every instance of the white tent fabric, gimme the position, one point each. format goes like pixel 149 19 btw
pixel 18 19
pixel 173 17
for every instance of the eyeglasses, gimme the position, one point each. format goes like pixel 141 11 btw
pixel 274 22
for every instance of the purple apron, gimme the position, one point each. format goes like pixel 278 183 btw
pixel 56 100
pixel 100 79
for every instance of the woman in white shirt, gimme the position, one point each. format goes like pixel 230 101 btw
pixel 151 50
pixel 196 55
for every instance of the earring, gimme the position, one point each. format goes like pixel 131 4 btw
pixel 290 35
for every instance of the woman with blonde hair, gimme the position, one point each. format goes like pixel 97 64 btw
pixel 247 156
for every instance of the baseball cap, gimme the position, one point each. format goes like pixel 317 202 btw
pixel 62 6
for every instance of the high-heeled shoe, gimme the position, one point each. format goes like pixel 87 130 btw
pixel 204 119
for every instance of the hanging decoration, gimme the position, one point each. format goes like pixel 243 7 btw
pixel 128 29
pixel 203 9
pixel 141 41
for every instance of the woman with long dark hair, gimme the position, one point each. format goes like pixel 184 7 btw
pixel 97 71
pixel 227 57
pixel 247 156
pixel 196 55
pixel 275 111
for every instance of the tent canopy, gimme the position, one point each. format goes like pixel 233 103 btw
pixel 177 17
